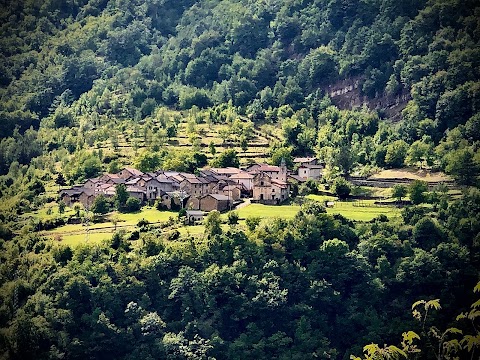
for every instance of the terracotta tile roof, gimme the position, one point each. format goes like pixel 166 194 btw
pixel 133 171
pixel 78 191
pixel 297 177
pixel 303 159
pixel 226 171
pixel 263 167
pixel 242 175
pixel 219 197
pixel 280 183
pixel 309 166
pixel 193 180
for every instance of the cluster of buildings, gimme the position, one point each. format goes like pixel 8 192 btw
pixel 209 189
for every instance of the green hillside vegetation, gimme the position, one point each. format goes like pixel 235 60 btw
pixel 90 72
pixel 368 87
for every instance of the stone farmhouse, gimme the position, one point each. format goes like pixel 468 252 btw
pixel 308 168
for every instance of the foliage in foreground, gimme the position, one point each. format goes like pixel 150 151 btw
pixel 316 285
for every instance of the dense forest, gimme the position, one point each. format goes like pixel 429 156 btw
pixel 82 79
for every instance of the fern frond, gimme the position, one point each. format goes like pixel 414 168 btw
pixel 409 336
pixel 476 304
pixel 392 349
pixel 453 331
pixel 473 314
pixel 477 287
pixel 453 344
pixel 471 341
pixel 435 303
pixel 416 303
pixel 371 349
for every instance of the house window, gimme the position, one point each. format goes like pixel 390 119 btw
pixel 273 190
pixel 261 183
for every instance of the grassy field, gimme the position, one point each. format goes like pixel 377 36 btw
pixel 359 210
pixel 364 210
pixel 50 211
pixel 74 234
pixel 78 239
pixel 148 213
pixel 268 211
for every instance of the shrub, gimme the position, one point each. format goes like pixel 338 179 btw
pixel 174 235
pixel 133 204
pixel 252 222
pixel 233 218
pixel 341 188
pixel 160 206
pixel 143 222
pixel 135 235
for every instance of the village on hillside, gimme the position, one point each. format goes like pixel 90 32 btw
pixel 218 189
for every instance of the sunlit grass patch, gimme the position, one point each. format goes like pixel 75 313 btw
pixel 82 239
pixel 268 211
pixel 360 210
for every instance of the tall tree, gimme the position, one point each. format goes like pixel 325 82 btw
pixel 462 165
pixel 121 196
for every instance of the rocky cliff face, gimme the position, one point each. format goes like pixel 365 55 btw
pixel 347 94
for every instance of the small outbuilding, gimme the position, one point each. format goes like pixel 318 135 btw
pixel 194 217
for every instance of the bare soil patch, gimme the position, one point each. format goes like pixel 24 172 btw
pixel 411 173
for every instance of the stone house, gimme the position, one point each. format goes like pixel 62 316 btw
pixel 71 196
pixel 153 188
pixel 87 198
pixel 173 199
pixel 92 183
pixel 167 184
pixel 233 192
pixel 194 186
pixel 83 195
pixel 137 192
pixel 106 189
pixel 113 179
pixel 128 173
pixel 211 202
pixel 243 178
pixel 274 172
pixel 314 172
pixel 269 191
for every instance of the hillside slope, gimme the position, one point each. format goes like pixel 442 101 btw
pixel 122 58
